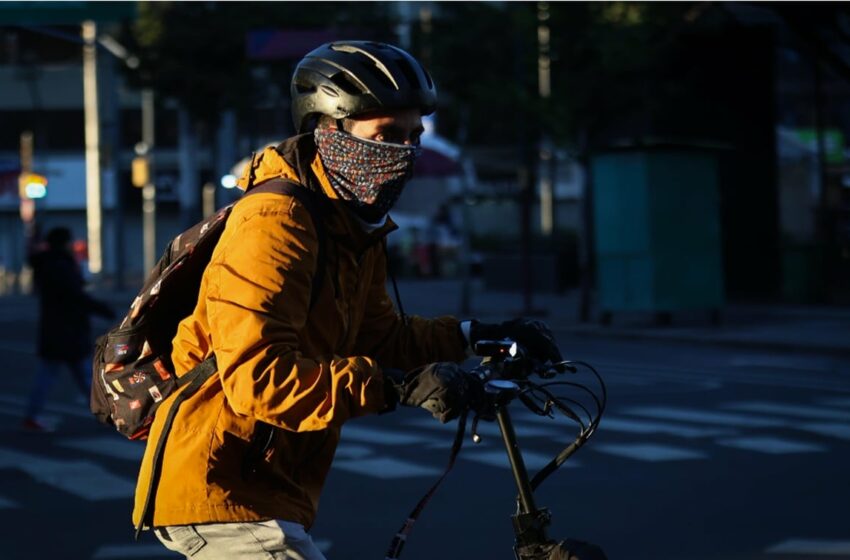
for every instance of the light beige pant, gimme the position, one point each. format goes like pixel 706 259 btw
pixel 262 540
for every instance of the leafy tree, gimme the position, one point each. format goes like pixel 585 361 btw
pixel 195 51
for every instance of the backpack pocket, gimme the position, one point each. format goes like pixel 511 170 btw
pixel 132 380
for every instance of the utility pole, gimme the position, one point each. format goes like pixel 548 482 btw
pixel 545 151
pixel 94 208
pixel 149 187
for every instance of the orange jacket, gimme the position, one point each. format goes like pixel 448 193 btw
pixel 305 371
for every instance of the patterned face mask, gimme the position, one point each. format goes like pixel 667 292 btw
pixel 369 174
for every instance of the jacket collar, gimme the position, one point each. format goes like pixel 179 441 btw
pixel 342 225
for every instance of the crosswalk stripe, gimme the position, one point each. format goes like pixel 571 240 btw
pixel 84 479
pixel 831 429
pixel 836 401
pixel 352 451
pixel 789 410
pixel 381 436
pixel 706 417
pixel 722 375
pixel 385 468
pixel 133 550
pixel 21 402
pixel 48 420
pixel 648 451
pixel 772 445
pixel 110 446
pixel 499 458
pixel 629 425
pixel 810 547
pixel 6 503
pixel 522 426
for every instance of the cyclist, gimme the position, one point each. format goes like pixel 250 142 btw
pixel 300 362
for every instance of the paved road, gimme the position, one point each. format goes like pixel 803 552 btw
pixel 704 453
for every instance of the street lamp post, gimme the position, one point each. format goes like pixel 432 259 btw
pixel 149 188
pixel 94 208
pixel 545 152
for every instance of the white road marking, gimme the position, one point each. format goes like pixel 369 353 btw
pixel 491 429
pixel 720 374
pixel 133 550
pixel 617 424
pixel 111 446
pixel 49 421
pixel 831 429
pixel 789 410
pixel 810 547
pixel 352 451
pixel 382 437
pixel 772 445
pixel 385 467
pixel 84 479
pixel 706 417
pixel 6 503
pixel 782 362
pixel 79 411
pixel 648 451
pixel 499 458
pixel 836 401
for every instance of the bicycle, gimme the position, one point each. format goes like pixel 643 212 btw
pixel 504 373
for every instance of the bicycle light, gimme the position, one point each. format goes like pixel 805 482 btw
pixel 496 349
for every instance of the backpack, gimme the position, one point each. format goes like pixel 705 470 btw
pixel 132 371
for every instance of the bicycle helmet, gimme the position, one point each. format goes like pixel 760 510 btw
pixel 347 78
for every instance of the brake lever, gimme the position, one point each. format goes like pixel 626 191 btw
pixel 564 366
pixel 475 437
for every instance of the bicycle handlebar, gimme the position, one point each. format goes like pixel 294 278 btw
pixel 506 370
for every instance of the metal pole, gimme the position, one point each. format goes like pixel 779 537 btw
pixel 27 211
pixel 94 209
pixel 545 152
pixel 208 199
pixel 149 190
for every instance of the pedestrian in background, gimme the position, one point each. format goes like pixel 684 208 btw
pixel 64 320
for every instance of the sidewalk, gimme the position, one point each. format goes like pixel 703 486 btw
pixel 776 327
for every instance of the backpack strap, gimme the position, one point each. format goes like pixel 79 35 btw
pixel 192 381
pixel 315 204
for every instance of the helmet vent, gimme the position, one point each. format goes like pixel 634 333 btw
pixel 409 73
pixel 383 78
pixel 343 82
pixel 304 88
pixel 329 91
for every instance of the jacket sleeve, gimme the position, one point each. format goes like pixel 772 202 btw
pixel 393 343
pixel 258 292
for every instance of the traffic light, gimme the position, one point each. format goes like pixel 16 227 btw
pixel 140 171
pixel 32 186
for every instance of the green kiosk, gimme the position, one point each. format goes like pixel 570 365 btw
pixel 657 231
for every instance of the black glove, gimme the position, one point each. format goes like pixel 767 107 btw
pixel 443 389
pixel 572 549
pixel 534 336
